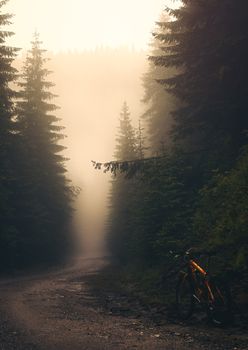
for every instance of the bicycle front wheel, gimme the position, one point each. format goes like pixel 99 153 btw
pixel 185 297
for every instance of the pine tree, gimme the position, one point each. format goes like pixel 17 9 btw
pixel 45 205
pixel 8 231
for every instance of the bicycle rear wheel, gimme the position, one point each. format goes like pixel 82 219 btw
pixel 220 311
pixel 184 297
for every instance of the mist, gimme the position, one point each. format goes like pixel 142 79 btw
pixel 124 174
pixel 91 89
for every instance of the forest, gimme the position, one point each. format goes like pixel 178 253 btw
pixel 115 161
pixel 35 194
pixel 179 179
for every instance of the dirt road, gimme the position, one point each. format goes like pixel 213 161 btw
pixel 58 311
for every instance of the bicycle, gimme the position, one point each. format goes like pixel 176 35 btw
pixel 197 286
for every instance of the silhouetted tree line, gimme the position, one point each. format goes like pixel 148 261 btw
pixel 35 195
pixel 192 187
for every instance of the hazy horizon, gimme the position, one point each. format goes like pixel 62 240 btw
pixel 80 24
pixel 91 89
pixel 98 55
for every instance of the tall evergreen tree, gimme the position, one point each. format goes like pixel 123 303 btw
pixel 141 147
pixel 159 102
pixel 122 192
pixel 8 231
pixel 206 42
pixel 45 205
pixel 125 141
pixel 195 194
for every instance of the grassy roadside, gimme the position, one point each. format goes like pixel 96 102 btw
pixel 136 294
pixel 146 290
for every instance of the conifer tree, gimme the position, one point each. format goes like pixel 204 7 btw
pixel 125 141
pixel 47 193
pixel 182 200
pixel 206 42
pixel 8 231
pixel 140 142
pixel 159 103
pixel 123 190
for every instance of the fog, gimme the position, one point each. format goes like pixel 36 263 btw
pixel 92 83
pixel 91 88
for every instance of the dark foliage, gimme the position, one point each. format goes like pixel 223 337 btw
pixel 193 192
pixel 35 195
pixel 44 199
pixel 8 143
pixel 206 43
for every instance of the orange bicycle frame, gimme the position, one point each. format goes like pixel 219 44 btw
pixel 194 266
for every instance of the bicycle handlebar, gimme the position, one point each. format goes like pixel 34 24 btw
pixel 193 253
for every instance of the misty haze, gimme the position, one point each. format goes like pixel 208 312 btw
pixel 92 89
pixel 123 175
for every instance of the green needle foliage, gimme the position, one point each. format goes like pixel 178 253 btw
pixel 45 211
pixel 158 102
pixel 191 190
pixel 8 177
pixel 206 43
pixel 221 216
pixel 122 196
pixel 35 195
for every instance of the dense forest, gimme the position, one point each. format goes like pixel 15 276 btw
pixel 35 194
pixel 181 179
pixel 103 259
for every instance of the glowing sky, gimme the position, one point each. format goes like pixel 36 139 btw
pixel 84 24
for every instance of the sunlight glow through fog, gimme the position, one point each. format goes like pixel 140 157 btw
pixel 106 48
pixel 83 24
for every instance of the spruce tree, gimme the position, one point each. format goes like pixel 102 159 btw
pixel 8 177
pixel 45 206
pixel 141 147
pixel 206 43
pixel 125 141
pixel 186 197
pixel 123 190
pixel 159 103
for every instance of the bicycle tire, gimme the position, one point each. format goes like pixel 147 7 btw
pixel 185 297
pixel 220 311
